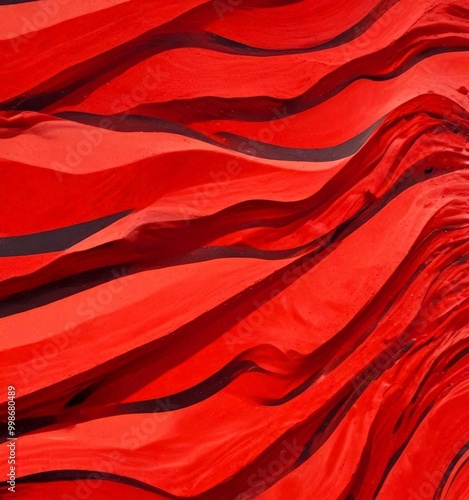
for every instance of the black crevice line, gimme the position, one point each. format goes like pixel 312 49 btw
pixel 60 289
pixel 77 474
pixel 463 450
pixel 55 240
pixel 235 143
pixel 460 355
pixel 274 152
pixel 14 2
pixel 189 397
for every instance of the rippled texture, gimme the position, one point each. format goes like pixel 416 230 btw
pixel 234 248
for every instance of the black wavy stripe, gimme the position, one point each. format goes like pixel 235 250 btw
pixel 464 449
pixel 89 475
pixel 274 152
pixel 14 2
pixel 206 11
pixel 55 240
pixel 132 123
pixel 183 399
pixel 252 147
pixel 60 289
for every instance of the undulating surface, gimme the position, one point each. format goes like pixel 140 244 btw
pixel 234 245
